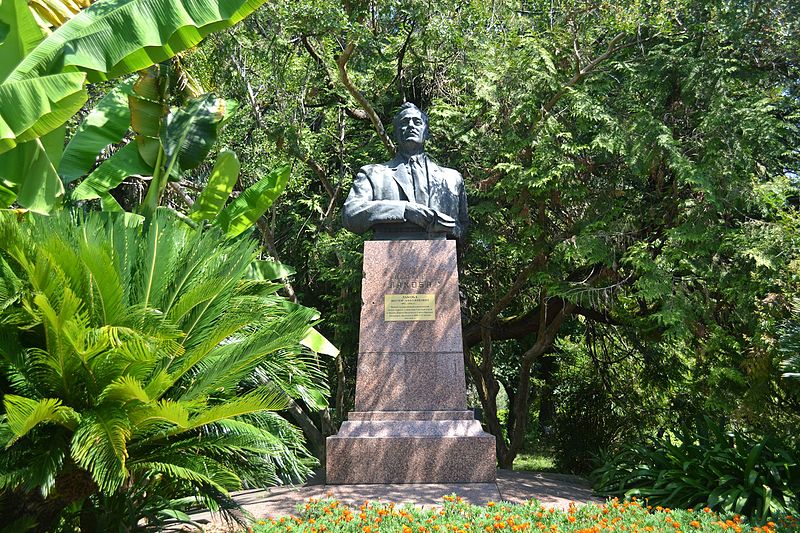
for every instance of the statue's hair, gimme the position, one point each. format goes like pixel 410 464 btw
pixel 408 106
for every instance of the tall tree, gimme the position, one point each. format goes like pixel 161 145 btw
pixel 629 174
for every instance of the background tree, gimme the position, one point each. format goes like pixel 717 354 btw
pixel 629 170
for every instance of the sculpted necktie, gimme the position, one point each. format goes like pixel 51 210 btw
pixel 420 176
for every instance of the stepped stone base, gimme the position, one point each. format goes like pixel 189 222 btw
pixel 411 450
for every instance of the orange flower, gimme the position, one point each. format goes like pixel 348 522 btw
pixel 571 519
pixel 694 524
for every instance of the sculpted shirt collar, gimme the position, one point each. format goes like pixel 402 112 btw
pixel 420 158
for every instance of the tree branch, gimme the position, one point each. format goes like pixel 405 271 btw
pixel 341 62
pixel 251 95
pixel 400 58
pixel 611 49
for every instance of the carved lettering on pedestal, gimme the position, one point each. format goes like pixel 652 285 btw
pixel 398 283
pixel 409 307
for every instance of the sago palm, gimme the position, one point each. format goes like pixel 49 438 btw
pixel 141 370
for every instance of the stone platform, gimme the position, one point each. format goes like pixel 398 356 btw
pixel 552 490
pixel 411 423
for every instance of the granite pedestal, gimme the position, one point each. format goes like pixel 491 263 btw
pixel 411 423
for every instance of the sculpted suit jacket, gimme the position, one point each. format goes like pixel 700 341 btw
pixel 381 191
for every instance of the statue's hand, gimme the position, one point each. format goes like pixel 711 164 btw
pixel 419 214
pixel 442 224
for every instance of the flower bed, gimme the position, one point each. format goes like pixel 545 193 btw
pixel 456 516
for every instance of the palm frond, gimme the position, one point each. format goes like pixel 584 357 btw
pixel 10 285
pixel 124 389
pixel 230 363
pixel 107 290
pixel 23 414
pixel 165 411
pixel 99 445
pixel 35 467
pixel 263 399
pixel 193 468
pixel 157 261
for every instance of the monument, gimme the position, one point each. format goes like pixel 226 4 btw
pixel 410 423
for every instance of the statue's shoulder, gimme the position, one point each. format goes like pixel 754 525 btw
pixel 450 174
pixel 376 169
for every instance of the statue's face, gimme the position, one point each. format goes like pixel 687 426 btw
pixel 411 127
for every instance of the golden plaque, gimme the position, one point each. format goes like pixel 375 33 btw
pixel 409 307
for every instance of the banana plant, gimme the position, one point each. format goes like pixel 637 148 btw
pixel 51 14
pixel 167 142
pixel 42 77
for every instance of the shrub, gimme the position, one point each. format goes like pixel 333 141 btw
pixel 726 471
pixel 142 371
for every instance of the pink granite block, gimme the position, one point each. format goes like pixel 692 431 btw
pixel 425 452
pixel 410 382
pixel 410 267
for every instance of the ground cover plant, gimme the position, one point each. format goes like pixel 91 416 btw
pixel 457 516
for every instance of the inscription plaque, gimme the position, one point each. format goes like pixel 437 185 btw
pixel 409 307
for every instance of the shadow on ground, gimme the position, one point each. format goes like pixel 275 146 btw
pixel 552 490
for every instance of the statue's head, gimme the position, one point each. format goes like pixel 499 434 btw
pixel 410 125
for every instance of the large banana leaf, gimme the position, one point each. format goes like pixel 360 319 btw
pixel 117 37
pixel 242 213
pixel 106 124
pixel 21 34
pixel 268 270
pixel 187 136
pixel 31 108
pixel 190 131
pixel 29 172
pixel 111 172
pixel 109 39
pixel 7 196
pixel 316 341
pixel 220 184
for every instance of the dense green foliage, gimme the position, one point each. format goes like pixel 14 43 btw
pixel 142 370
pixel 630 169
pixel 729 472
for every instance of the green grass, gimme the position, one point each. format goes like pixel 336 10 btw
pixel 535 462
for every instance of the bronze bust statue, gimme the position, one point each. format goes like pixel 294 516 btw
pixel 409 197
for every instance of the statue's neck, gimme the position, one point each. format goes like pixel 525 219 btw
pixel 407 151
